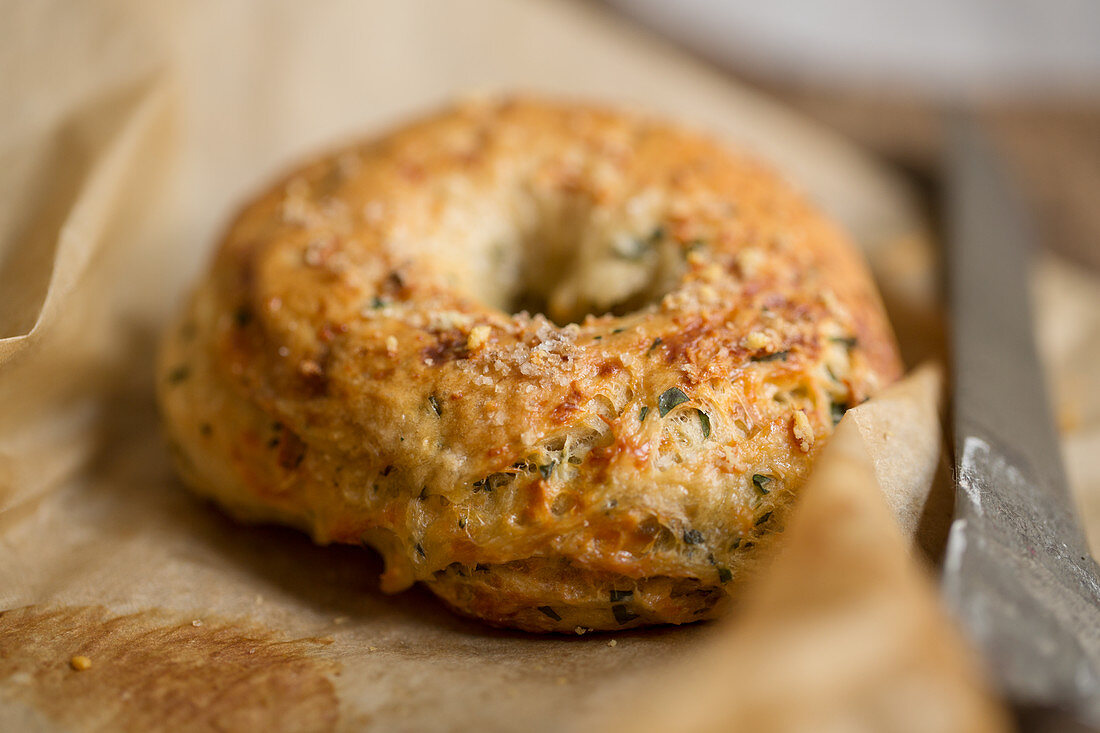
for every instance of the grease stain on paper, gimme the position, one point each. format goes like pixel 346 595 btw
pixel 154 672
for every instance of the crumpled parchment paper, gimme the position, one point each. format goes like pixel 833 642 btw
pixel 133 131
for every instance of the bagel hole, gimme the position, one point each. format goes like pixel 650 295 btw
pixel 567 267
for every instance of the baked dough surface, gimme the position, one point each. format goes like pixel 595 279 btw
pixel 564 365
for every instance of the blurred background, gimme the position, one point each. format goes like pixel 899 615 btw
pixel 883 72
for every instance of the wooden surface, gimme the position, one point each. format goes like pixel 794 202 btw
pixel 1053 148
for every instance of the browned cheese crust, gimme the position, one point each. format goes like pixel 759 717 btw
pixel 566 366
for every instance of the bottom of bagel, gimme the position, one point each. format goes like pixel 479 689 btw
pixel 550 595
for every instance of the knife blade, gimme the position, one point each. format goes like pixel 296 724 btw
pixel 1017 571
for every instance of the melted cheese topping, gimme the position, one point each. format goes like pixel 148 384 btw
pixel 566 366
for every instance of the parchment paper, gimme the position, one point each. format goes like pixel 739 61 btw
pixel 133 131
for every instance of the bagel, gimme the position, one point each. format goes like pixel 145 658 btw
pixel 566 366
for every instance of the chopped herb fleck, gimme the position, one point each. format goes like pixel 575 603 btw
pixel 623 615
pixel 761 482
pixel 178 374
pixel 621 595
pixel 618 330
pixel 547 469
pixel 642 413
pixel 669 399
pixel 693 537
pixel 777 356
pixel 377 303
pixel 763 518
pixel 704 420
pixel 654 345
pixel 848 341
pixel 724 574
pixel 547 611
pixel 434 403
pixel 837 410
pixel 597 337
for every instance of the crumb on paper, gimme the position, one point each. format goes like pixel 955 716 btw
pixel 580 631
pixel 612 643
pixel 372 648
pixel 197 622
pixel 80 663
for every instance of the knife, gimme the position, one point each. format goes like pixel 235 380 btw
pixel 1017 571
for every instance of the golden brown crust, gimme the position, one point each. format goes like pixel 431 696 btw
pixel 354 363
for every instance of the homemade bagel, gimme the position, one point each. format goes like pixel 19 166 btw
pixel 566 366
